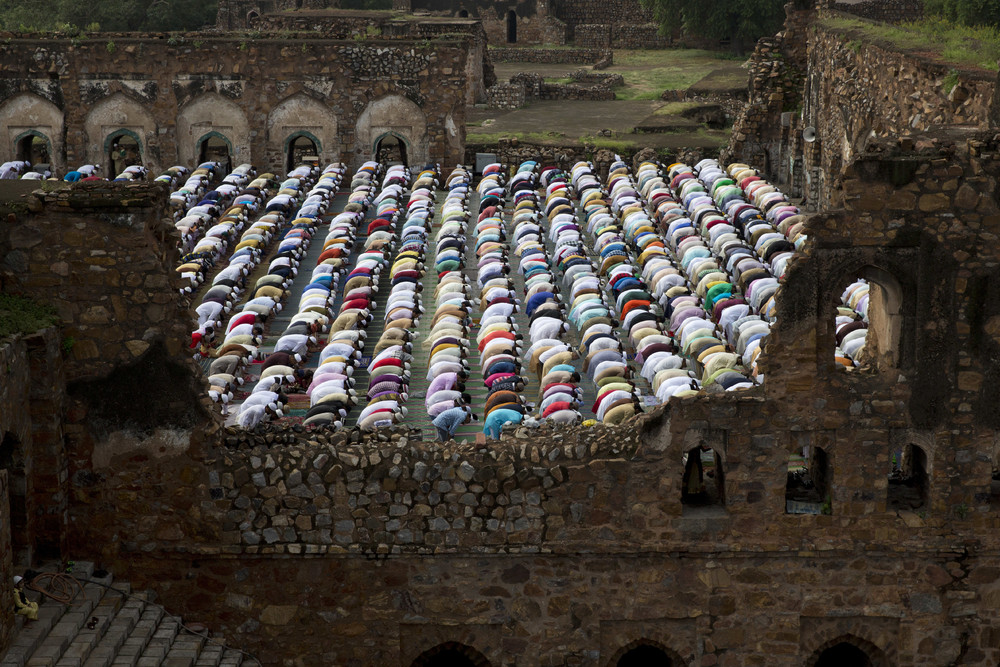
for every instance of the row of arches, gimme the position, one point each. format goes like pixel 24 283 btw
pixel 843 651
pixel 809 481
pixel 120 131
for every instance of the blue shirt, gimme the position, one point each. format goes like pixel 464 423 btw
pixel 451 419
pixel 496 420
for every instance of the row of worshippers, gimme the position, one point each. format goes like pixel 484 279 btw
pixel 852 324
pixel 631 283
pixel 595 287
pixel 331 386
pixel 446 402
pixel 498 339
pixel 282 367
pixel 549 355
pixel 389 371
pixel 193 219
pixel 722 321
pixel 249 249
pixel 331 392
pixel 244 331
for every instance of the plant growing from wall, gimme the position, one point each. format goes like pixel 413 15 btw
pixel 110 46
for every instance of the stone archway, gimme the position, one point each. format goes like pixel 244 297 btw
pixel 118 115
pixel 303 116
pixel 28 114
pixel 451 654
pixel 399 116
pixel 207 113
pixel 645 652
pixel 859 652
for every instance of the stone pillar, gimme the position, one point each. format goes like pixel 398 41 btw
pixel 49 492
pixel 6 567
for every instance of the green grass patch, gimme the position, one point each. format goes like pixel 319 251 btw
pixel 615 144
pixel 935 37
pixel 648 73
pixel 561 79
pixel 675 108
pixel 21 315
pixel 527 137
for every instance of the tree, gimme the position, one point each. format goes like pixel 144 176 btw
pixel 966 12
pixel 742 22
pixel 112 15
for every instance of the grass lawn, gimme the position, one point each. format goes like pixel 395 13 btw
pixel 947 41
pixel 648 73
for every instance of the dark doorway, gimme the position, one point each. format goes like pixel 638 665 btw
pixel 843 655
pixel 807 485
pixel 511 27
pixel 214 148
pixel 703 484
pixel 463 13
pixel 645 656
pixel 301 150
pixel 451 654
pixel 390 149
pixel 33 148
pixel 124 152
pixel 12 460
pixel 908 479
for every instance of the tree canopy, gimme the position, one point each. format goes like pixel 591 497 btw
pixel 108 15
pixel 966 12
pixel 742 22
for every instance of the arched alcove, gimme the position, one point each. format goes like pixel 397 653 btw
pixel 703 483
pixel 34 147
pixel 27 115
pixel 303 116
pixel 868 321
pixel 301 147
pixel 114 116
pixel 645 653
pixel 216 147
pixel 463 13
pixel 123 148
pixel 511 27
pixel 848 651
pixel 451 654
pixel 396 115
pixel 807 485
pixel 209 113
pixel 390 148
pixel 909 479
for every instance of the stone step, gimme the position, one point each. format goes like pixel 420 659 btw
pixel 159 644
pixel 126 614
pixel 231 658
pixel 139 637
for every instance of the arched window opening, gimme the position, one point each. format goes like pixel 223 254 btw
pixel 645 655
pixel 123 152
pixel 868 322
pixel 511 27
pixel 807 486
pixel 253 20
pixel 463 13
pixel 703 485
pixel 33 148
pixel 213 147
pixel 451 654
pixel 12 460
pixel 301 150
pixel 908 479
pixel 843 655
pixel 390 149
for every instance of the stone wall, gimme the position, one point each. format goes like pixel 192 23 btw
pixel 6 564
pixel 575 56
pixel 16 454
pixel 609 12
pixel 527 86
pixel 568 546
pixel 101 254
pixel 355 25
pixel 888 11
pixel 849 91
pixel 159 91
pixel 620 36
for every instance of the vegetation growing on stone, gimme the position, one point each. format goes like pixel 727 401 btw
pixel 25 316
pixel 109 15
